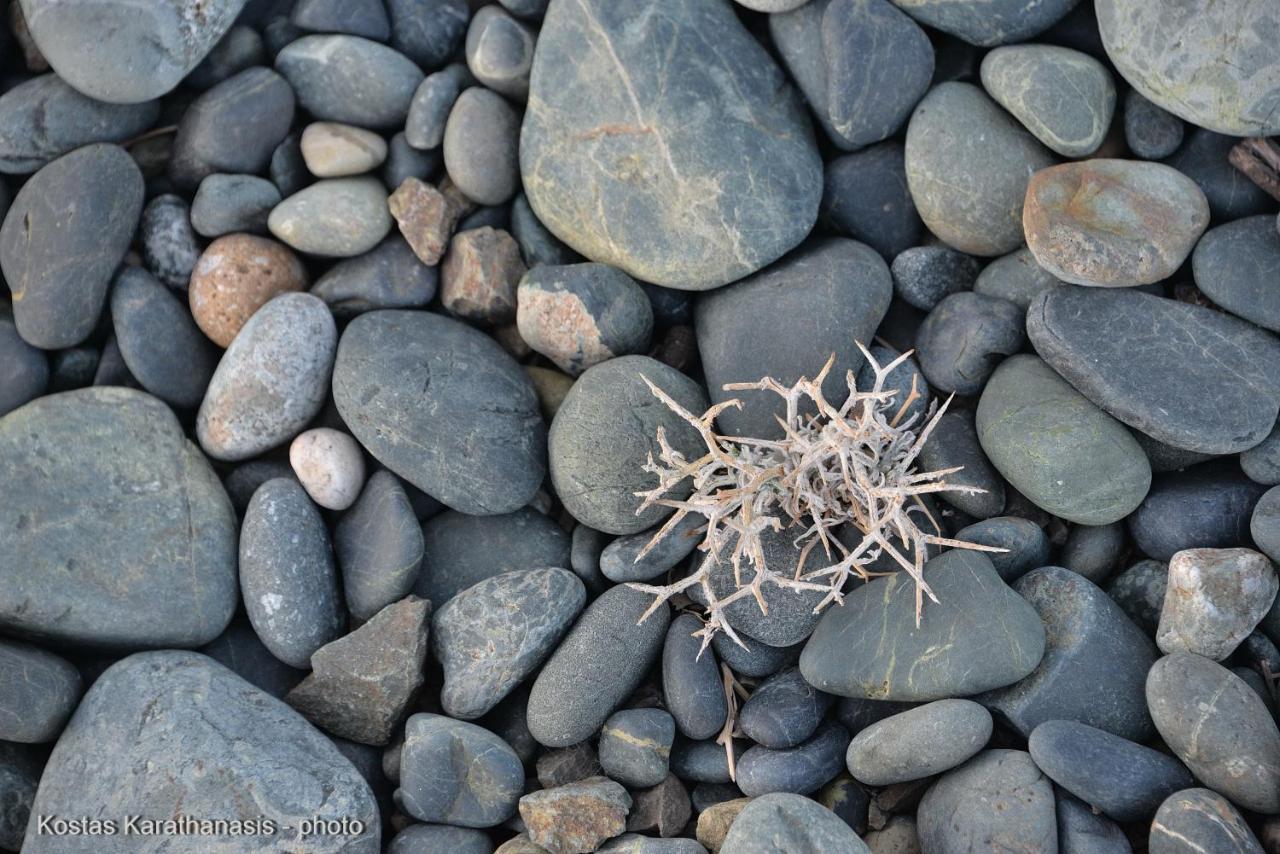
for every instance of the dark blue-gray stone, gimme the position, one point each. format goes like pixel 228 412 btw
pixel 287 169
pixel 72 369
pixel 954 442
pixel 783 711
pixel 1016 277
pixel 691 681
pixel 116 532
pixel 24 370
pixel 404 161
pixel 350 79
pixel 219 744
pixel 428 31
pixel 224 204
pixel 161 345
pixel 796 33
pixel 367 18
pixel 965 337
pixel 453 772
pixel 802 769
pixel 499 52
pixel 387 276
pixel 20 767
pixel 919 742
pixel 1140 590
pixel 170 247
pixel 239 49
pixel 1196 820
pixel 924 275
pixel 234 127
pixel 1152 132
pixel 462 550
pixel 635 746
pixel 493 635
pixel 988 22
pixel 1125 780
pixel 44 118
pixel 1094 664
pixel 1214 722
pixel 244 479
pixel 1264 526
pixel 1207 506
pixel 481 143
pixel 997 795
pixel 614 166
pixel 618 560
pixel 240 650
pixel 757 660
pixel 431 104
pixel 857 714
pixel 604 431
pixel 702 761
pixel 65 233
pixel 410 385
pixel 1093 550
pixel 378 545
pixel 791 823
pixel 1231 195
pixel 1262 462
pixel 598 664
pixel 979 634
pixel 1083 831
pixel 785 322
pixel 1235 265
pixel 537 244
pixel 287 574
pixel 40 692
pixel 865 196
pixel 1026 544
pixel 436 838
pixel 586 546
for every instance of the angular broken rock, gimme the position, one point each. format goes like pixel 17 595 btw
pixel 427 216
pixel 361 684
pixel 1215 598
pixel 576 818
pixel 479 276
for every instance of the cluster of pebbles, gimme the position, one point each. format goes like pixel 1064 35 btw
pixel 325 328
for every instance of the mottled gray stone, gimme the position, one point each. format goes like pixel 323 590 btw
pixel 988 22
pixel 463 550
pixel 170 248
pixel 137 53
pixel 620 560
pixel 336 218
pixel 1064 97
pixel 614 167
pixel 24 370
pixel 116 532
pixel 1059 450
pixel 635 746
pixel 865 196
pixel 1139 591
pixel 1026 545
pixel 783 710
pixel 981 633
pixel 1196 820
pixel 1151 131
pixel 598 664
pixel 1125 780
pixel 40 692
pixel 968 164
pixel 341 78
pixel 919 742
pixel 1207 506
pixel 791 823
pixel 457 773
pixel 240 650
pixel 1092 550
pixel 378 544
pixel 65 233
pixel 499 51
pixel 287 574
pixel 923 275
pixel 387 276
pixel 1016 277
pixel 229 203
pixel 225 749
pixel 576 817
pixel 44 118
pixel 785 322
pixel 691 681
pixel 271 381
pixel 1213 722
pixel 492 636
pixel 1215 598
pixel 802 769
pixel 1236 264
pixel 432 102
pixel 605 430
pixel 1212 64
pixel 409 386
pixel 998 797
pixel 965 337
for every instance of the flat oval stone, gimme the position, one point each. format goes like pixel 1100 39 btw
pixel 481 142
pixel 791 823
pixel 378 545
pixel 1113 223
pixel 919 743
pixel 409 386
pixel 1219 727
pixel 996 795
pixel 968 164
pixel 596 667
pixel 117 532
pixel 1094 663
pixel 1215 65
pixel 349 79
pixel 1235 265
pixel 334 218
pixel 271 381
pixel 62 239
pixel 988 22
pixel 44 118
pixel 783 711
pixel 490 637
pixel 1017 277
pixel 757 660
pixel 1064 97
pixel 457 773
pixel 137 53
pixel 1125 780
pixel 1206 506
pixel 463 550
pixel 979 635
pixel 1093 550
pixel 336 150
pixel 366 18
pixel 499 52
pixel 605 430
pixel 1059 450
pixel 620 560
pixel 1181 373
pixel 691 682
pixel 1200 820
pixel 785 322
pixel 801 769
pixel 387 276
pixel 218 742
pixel 432 101
pixel 614 167
pixel 41 692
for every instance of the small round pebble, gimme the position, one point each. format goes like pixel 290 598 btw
pixel 457 773
pixel 783 711
pixel 691 681
pixel 225 204
pixel 481 143
pixel 336 217
pixel 635 746
pixel 234 277
pixel 1151 132
pixel 329 465
pixel 500 52
pixel 169 245
pixel 919 743
pixel 802 769
pixel 1092 550
pixel 334 150
pixel 965 337
pixel 924 275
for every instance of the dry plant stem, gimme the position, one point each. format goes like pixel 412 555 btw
pixel 1259 160
pixel 733 691
pixel 849 467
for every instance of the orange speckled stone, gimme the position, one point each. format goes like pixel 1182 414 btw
pixel 235 277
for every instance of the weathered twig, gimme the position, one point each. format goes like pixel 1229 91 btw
pixel 1259 160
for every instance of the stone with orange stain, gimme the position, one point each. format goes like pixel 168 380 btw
pixel 479 276
pixel 1113 223
pixel 427 216
pixel 576 817
pixel 236 276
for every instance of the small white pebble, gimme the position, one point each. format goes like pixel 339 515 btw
pixel 330 466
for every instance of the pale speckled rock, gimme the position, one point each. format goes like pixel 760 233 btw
pixel 335 150
pixel 919 743
pixel 968 165
pixel 1064 97
pixel 614 166
pixel 349 79
pixel 1213 64
pixel 378 545
pixel 988 22
pixel 998 799
pixel 409 386
pixel 224 748
pixel 234 277
pixel 457 773
pixel 1113 223
pixel 790 823
pixel 336 217
pixel 41 692
pixel 329 465
pixel 1059 450
pixel 272 380
pixel 1214 599
pixel 493 635
pixel 576 817
pixel 1196 820
pixel 102 484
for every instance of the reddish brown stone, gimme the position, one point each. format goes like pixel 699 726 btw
pixel 237 275
pixel 479 276
pixel 427 216
pixel 577 818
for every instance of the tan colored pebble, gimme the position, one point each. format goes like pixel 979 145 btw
pixel 551 387
pixel 427 216
pixel 479 276
pixel 333 150
pixel 329 465
pixel 714 821
pixel 236 276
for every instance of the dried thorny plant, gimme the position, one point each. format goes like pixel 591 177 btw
pixel 834 467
